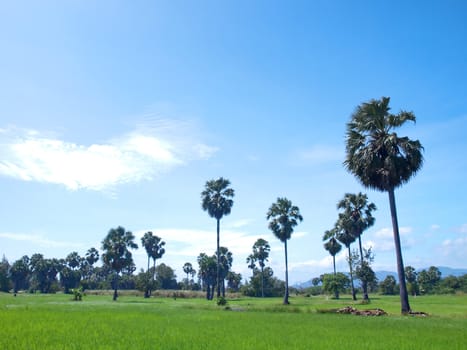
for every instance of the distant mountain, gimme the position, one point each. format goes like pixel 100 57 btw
pixel 381 275
pixel 446 271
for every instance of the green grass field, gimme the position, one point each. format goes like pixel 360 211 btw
pixel 56 322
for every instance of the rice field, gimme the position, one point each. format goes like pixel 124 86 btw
pixel 56 322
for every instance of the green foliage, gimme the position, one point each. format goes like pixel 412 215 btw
pixel 5 283
pixel 117 256
pixel 335 284
pixel 266 281
pixel 221 301
pixel 165 277
pixel 37 322
pixel 77 294
pixel 429 280
pixel 389 286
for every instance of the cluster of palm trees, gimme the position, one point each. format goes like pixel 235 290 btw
pixel 355 218
pixel 217 201
pixel 117 254
pixel 376 156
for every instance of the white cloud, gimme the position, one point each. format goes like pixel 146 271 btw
pixel 39 240
pixel 139 155
pixel 462 228
pixel 383 239
pixel 454 248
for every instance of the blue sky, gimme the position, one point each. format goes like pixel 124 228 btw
pixel 118 112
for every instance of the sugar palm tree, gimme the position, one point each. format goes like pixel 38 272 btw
pixel 344 235
pixel 117 256
pixel 382 160
pixel 154 247
pixel 216 199
pixel 260 255
pixel 283 218
pixel 333 247
pixel 359 210
pixel 225 264
pixel 189 270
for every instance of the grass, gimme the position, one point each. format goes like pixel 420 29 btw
pixel 56 322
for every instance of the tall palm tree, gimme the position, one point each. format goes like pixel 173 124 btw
pixel 345 236
pixel 382 160
pixel 333 247
pixel 117 255
pixel 216 199
pixel 357 207
pixel 283 218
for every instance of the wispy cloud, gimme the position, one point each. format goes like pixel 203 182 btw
pixel 139 155
pixel 383 239
pixel 455 248
pixel 39 240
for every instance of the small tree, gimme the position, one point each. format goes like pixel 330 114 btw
pixel 388 286
pixel 335 282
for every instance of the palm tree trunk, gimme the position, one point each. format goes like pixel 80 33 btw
pixel 146 292
pixel 336 292
pixel 354 297
pixel 364 282
pixel 218 262
pixel 405 307
pixel 286 296
pixel 262 282
pixel 115 296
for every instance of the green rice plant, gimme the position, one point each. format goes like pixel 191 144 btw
pixel 56 322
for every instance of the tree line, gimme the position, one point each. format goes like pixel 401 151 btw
pixel 376 155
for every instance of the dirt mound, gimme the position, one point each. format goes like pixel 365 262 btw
pixel 353 311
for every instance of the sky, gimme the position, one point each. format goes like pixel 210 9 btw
pixel 116 113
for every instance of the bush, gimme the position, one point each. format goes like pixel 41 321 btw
pixel 221 301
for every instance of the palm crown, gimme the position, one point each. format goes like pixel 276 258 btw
pixel 376 155
pixel 284 217
pixel 217 198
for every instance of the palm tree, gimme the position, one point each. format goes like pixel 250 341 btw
pixel 154 247
pixel 216 199
pixel 207 273
pixel 117 255
pixel 225 264
pixel 333 247
pixel 189 270
pixel 260 254
pixel 345 236
pixel 283 218
pixel 382 160
pixel 358 208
